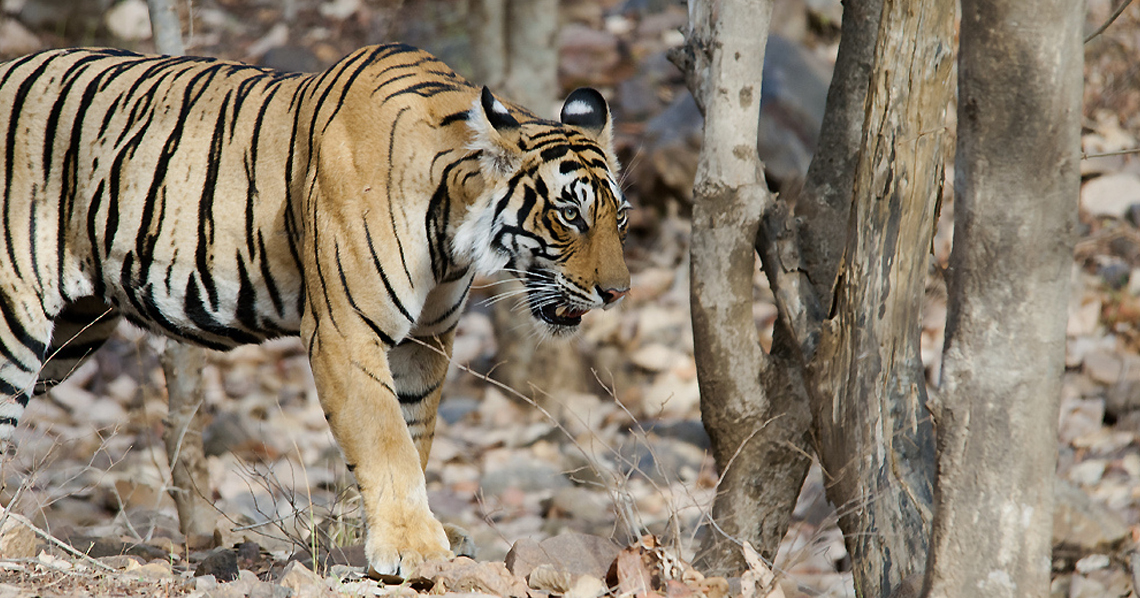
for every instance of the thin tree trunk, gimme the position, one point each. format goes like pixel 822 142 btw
pixel 752 404
pixel 517 56
pixel 182 364
pixel 1018 177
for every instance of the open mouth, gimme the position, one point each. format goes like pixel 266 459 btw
pixel 557 314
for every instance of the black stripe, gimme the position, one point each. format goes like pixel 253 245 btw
pixel 267 276
pixel 454 118
pixel 384 337
pixel 22 336
pixel 383 276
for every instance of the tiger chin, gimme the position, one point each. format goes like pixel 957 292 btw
pixel 223 204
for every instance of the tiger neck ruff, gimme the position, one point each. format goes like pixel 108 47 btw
pixel 223 204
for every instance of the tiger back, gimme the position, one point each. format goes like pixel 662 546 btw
pixel 224 204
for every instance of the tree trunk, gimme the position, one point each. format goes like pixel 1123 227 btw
pixel 516 55
pixel 182 364
pixel 1018 177
pixel 873 430
pixel 752 404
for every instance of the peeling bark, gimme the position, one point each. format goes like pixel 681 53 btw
pixel 874 434
pixel 1017 185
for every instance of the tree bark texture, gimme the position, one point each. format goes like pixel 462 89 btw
pixel 182 435
pixel 1017 184
pixel 874 434
pixel 516 55
pixel 752 405
pixel 165 27
pixel 182 365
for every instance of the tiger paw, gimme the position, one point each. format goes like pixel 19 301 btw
pixel 398 542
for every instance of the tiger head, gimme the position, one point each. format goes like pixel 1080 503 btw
pixel 551 211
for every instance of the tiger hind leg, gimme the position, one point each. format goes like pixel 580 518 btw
pixel 80 329
pixel 25 331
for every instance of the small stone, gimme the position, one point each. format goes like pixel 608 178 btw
pixel 1111 195
pixel 296 576
pixel 1093 562
pixel 466 575
pixel 129 20
pixel 121 561
pixel 586 586
pixel 204 583
pixel 545 577
pixel 17 540
pixel 1082 524
pixel 16 40
pixel 221 563
pixel 154 570
pixel 655 357
pixel 574 553
pixel 1087 473
pixel 1103 366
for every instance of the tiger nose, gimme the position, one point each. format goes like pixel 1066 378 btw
pixel 611 296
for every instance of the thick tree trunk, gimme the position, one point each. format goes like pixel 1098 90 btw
pixel 183 365
pixel 1018 177
pixel 752 404
pixel 874 434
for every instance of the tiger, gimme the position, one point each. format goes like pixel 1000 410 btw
pixel 223 204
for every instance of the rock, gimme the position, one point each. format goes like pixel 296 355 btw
pixel 1103 366
pixel 586 586
pixel 221 563
pixel 546 578
pixel 121 561
pixel 690 431
pixel 154 570
pixel 1111 195
pixel 581 509
pixel 129 20
pixel 573 553
pixel 16 40
pixel 298 577
pixel 466 575
pixel 226 432
pixel 528 475
pixel 1082 525
pixel 248 553
pixel 1093 562
pixel 96 547
pixel 1124 395
pixel 655 357
pixel 663 460
pixel 17 540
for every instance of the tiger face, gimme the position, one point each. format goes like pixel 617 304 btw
pixel 551 211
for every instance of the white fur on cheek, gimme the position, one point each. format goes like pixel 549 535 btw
pixel 474 235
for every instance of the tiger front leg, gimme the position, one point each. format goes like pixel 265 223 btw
pixel 358 394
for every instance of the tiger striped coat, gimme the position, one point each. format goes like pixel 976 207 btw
pixel 223 204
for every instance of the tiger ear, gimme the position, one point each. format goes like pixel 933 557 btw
pixel 586 109
pixel 496 134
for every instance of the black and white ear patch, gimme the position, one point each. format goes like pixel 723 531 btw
pixel 585 108
pixel 497 113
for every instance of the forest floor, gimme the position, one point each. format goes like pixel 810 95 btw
pixel 568 479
